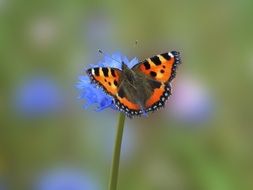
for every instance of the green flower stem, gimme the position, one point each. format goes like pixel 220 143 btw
pixel 116 154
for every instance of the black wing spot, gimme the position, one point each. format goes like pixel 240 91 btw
pixel 115 83
pixel 153 74
pixel 156 60
pixel 147 65
pixel 162 71
pixel 105 71
pixel 109 83
pixel 166 56
pixel 105 80
pixel 113 73
pixel 164 66
pixel 96 70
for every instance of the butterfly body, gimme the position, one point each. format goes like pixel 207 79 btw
pixel 135 86
pixel 140 89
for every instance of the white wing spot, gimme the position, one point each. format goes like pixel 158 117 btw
pixel 92 71
pixel 170 54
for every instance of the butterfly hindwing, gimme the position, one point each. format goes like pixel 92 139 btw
pixel 108 78
pixel 158 97
pixel 161 67
pixel 125 105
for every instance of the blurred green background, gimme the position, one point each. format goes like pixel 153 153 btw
pixel 202 140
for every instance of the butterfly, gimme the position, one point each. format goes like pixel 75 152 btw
pixel 143 88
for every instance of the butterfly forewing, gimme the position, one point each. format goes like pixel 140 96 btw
pixel 161 67
pixel 108 78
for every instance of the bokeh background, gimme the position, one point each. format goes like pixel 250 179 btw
pixel 202 140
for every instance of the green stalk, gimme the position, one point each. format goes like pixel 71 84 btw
pixel 116 154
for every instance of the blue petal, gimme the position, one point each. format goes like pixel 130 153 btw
pixel 133 62
pixel 92 94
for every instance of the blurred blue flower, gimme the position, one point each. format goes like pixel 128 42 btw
pixel 38 95
pixel 94 95
pixel 66 179
pixel 191 101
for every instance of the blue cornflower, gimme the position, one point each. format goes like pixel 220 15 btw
pixel 94 95
pixel 37 96
pixel 66 179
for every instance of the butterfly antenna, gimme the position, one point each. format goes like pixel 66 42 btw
pixel 135 43
pixel 101 52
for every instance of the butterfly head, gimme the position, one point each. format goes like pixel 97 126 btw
pixel 124 66
pixel 127 73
